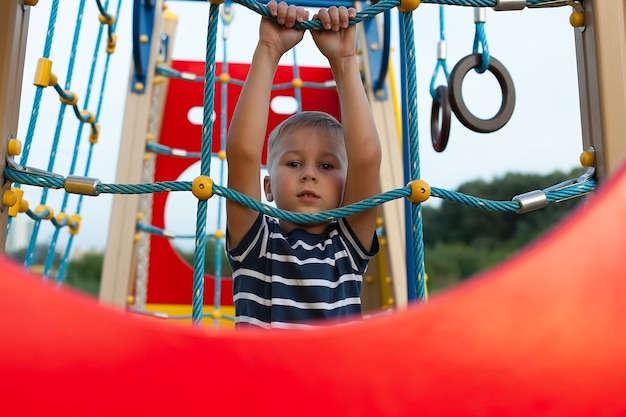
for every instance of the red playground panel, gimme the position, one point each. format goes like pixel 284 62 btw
pixel 171 278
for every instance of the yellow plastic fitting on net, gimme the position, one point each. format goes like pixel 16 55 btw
pixel 30 2
pixel 420 191
pixel 577 19
pixel 216 314
pixel 49 213
pixel 106 20
pixel 14 147
pixel 43 73
pixel 407 6
pixel 9 198
pixel 216 2
pixel 297 82
pixel 218 234
pixel 87 116
pixel 93 137
pixel 221 154
pixel 62 218
pixel 588 159
pixel 202 187
pixel 224 77
pixel 71 98
pixel 74 224
pixel 111 43
pixel 21 205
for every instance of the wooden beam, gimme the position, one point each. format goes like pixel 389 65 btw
pixel 601 57
pixel 13 32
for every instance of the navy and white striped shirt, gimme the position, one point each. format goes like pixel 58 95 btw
pixel 286 280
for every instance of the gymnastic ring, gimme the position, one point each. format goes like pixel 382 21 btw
pixel 455 84
pixel 438 136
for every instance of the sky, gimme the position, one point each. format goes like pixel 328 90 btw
pixel 535 45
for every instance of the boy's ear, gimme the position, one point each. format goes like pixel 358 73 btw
pixel 267 187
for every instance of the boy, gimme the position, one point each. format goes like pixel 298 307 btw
pixel 285 274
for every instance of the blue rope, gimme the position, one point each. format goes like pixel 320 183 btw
pixel 480 46
pixel 441 60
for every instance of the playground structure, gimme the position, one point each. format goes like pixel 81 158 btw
pixel 602 104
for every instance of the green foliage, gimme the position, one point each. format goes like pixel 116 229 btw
pixel 84 273
pixel 461 241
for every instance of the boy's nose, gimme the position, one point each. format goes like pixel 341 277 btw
pixel 309 175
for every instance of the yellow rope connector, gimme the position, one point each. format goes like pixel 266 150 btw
pixel 14 147
pixel 111 43
pixel 159 79
pixel 20 206
pixel 71 98
pixel 224 77
pixel 9 198
pixel 202 187
pixel 74 224
pixel 588 159
pixel 407 6
pixel 106 20
pixel 297 82
pixel 216 2
pixel 130 300
pixel 221 154
pixel 577 19
pixel 62 218
pixel 43 73
pixel 139 86
pixel 420 191
pixel 93 136
pixel 216 314
pixel 218 234
pixel 87 116
pixel 49 213
pixel 30 2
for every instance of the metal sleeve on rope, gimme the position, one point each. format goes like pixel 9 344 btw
pixel 503 5
pixel 530 201
pixel 82 185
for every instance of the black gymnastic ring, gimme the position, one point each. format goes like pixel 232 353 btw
pixel 440 137
pixel 455 84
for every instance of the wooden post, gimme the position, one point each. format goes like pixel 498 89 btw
pixel 601 57
pixel 120 255
pixel 13 30
pixel 391 177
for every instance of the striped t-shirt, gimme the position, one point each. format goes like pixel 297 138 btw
pixel 287 280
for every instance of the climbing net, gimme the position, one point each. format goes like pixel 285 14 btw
pixel 203 187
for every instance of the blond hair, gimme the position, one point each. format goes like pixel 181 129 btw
pixel 317 119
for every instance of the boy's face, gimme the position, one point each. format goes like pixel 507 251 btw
pixel 308 171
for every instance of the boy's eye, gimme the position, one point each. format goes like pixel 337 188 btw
pixel 326 166
pixel 293 164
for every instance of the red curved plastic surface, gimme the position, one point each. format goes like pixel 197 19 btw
pixel 541 334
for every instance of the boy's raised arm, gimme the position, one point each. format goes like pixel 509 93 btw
pixel 362 143
pixel 246 135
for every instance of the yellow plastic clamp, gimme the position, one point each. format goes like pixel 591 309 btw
pixel 577 19
pixel 296 82
pixel 216 2
pixel 169 15
pixel 143 38
pixel 588 159
pixel 221 154
pixel 87 116
pixel 420 191
pixel 202 187
pixel 139 86
pixel 74 224
pixel 9 198
pixel 224 77
pixel 216 314
pixel 48 211
pixel 407 6
pixel 72 100
pixel 14 147
pixel 93 137
pixel 62 218
pixel 43 72
pixel 218 234
pixel 106 21
pixel 111 43
pixel 30 2
pixel 21 205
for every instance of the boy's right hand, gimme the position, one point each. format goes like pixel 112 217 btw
pixel 281 35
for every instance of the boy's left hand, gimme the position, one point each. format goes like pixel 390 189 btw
pixel 338 39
